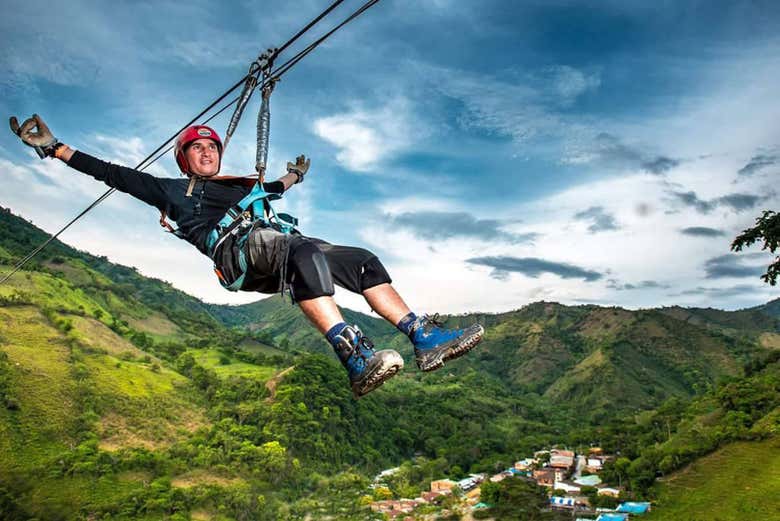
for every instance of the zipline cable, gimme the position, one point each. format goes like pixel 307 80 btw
pixel 298 57
pixel 275 74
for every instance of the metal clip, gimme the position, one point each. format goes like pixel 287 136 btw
pixel 266 60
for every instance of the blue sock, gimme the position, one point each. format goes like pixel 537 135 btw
pixel 405 324
pixel 335 330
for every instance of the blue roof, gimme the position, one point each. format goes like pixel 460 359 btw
pixel 523 472
pixel 633 507
pixel 612 517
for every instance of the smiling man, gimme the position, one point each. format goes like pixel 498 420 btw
pixel 226 218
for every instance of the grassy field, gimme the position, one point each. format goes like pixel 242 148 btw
pixel 213 359
pixel 739 482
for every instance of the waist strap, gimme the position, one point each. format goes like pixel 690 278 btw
pixel 254 207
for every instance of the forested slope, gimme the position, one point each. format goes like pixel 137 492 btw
pixel 125 398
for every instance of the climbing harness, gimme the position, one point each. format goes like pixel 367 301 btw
pixel 251 211
pixel 155 155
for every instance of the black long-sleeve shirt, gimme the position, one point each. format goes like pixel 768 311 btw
pixel 195 216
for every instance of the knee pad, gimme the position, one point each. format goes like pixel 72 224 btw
pixel 310 276
pixel 373 274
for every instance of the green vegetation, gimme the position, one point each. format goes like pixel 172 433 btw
pixel 766 230
pixel 517 499
pixel 739 481
pixel 224 365
pixel 122 398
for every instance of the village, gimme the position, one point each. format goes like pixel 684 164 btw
pixel 572 480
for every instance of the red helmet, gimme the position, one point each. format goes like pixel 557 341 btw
pixel 187 136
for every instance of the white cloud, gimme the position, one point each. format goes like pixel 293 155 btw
pixel 365 137
pixel 570 83
pixel 523 106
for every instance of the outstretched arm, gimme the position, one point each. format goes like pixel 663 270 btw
pixel 140 185
pixel 64 153
pixel 295 171
pixel 288 180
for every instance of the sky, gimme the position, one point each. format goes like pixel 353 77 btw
pixel 491 153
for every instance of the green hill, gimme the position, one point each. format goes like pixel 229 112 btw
pixel 124 398
pixel 739 481
pixel 771 308
pixel 586 358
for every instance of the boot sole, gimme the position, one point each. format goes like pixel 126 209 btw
pixel 465 345
pixel 380 376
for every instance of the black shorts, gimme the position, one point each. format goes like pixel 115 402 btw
pixel 310 266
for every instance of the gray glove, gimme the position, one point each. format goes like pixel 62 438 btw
pixel 299 168
pixel 42 141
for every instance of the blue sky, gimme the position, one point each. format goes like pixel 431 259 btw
pixel 492 153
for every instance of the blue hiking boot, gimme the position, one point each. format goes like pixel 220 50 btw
pixel 434 345
pixel 367 369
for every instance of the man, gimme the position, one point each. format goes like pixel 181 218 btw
pixel 254 254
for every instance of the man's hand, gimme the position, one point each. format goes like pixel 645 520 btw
pixel 36 134
pixel 299 168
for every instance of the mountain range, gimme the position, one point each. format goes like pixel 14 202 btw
pixel 119 386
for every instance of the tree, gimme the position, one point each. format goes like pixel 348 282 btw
pixel 767 228
pixel 489 492
pixel 520 500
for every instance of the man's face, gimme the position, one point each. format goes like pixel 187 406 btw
pixel 203 157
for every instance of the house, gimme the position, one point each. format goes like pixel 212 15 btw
pixel 588 481
pixel 501 476
pixel 525 464
pixel 562 459
pixel 545 476
pixel 632 507
pixel 609 491
pixel 567 487
pixel 561 474
pixel 562 502
pixel 441 485
pixel 562 452
pixel 467 484
pixel 595 462
pixel 479 477
pixel 431 497
pixel 472 496
pixel 612 517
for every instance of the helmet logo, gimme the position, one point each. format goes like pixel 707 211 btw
pixel 204 132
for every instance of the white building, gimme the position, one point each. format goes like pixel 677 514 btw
pixel 566 487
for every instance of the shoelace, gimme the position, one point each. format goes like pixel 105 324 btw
pixel 435 320
pixel 431 321
pixel 363 342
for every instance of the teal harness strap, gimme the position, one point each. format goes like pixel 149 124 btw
pixel 239 220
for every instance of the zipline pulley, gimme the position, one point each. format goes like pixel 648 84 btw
pixel 260 67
